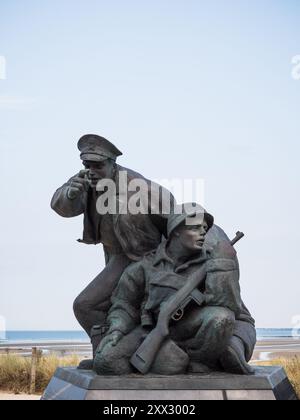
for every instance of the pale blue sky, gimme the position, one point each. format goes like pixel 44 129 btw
pixel 187 89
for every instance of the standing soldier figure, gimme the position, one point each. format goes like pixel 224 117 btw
pixel 125 237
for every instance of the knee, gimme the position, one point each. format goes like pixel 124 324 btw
pixel 80 307
pixel 110 362
pixel 222 318
pixel 170 360
pixel 103 364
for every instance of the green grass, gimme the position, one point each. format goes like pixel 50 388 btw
pixel 15 372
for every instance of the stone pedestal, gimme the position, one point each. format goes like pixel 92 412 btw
pixel 268 383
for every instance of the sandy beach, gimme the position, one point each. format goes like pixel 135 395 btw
pixel 60 348
pixel 274 348
pixel 18 397
pixel 266 349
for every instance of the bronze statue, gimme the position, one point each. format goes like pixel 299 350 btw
pixel 179 309
pixel 168 300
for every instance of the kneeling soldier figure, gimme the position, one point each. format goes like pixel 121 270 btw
pixel 214 331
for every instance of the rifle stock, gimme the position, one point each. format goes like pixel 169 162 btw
pixel 144 357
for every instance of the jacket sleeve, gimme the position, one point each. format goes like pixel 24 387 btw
pixel 222 286
pixel 127 299
pixel 66 207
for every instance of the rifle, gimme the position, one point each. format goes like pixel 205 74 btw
pixel 144 357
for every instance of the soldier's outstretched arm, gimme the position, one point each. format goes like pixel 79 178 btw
pixel 70 199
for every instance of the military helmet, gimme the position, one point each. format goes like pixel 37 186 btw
pixel 195 214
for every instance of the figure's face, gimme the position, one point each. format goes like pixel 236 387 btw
pixel 99 170
pixel 192 237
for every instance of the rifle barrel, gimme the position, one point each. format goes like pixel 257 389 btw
pixel 238 237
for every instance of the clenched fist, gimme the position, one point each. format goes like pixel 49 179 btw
pixel 78 185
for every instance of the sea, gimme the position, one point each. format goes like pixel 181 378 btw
pixel 10 337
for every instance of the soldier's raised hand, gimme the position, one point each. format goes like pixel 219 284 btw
pixel 78 185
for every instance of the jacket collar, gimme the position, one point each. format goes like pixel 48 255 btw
pixel 162 256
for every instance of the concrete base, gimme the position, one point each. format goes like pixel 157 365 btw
pixel 268 383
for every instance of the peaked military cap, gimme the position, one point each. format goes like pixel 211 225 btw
pixel 97 148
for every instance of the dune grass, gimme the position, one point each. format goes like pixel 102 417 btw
pixel 292 368
pixel 15 371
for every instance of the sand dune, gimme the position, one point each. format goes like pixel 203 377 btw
pixel 18 397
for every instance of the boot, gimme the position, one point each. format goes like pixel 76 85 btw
pixel 97 333
pixel 197 367
pixel 233 359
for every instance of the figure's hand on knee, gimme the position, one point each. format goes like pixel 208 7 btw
pixel 116 337
pixel 111 339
